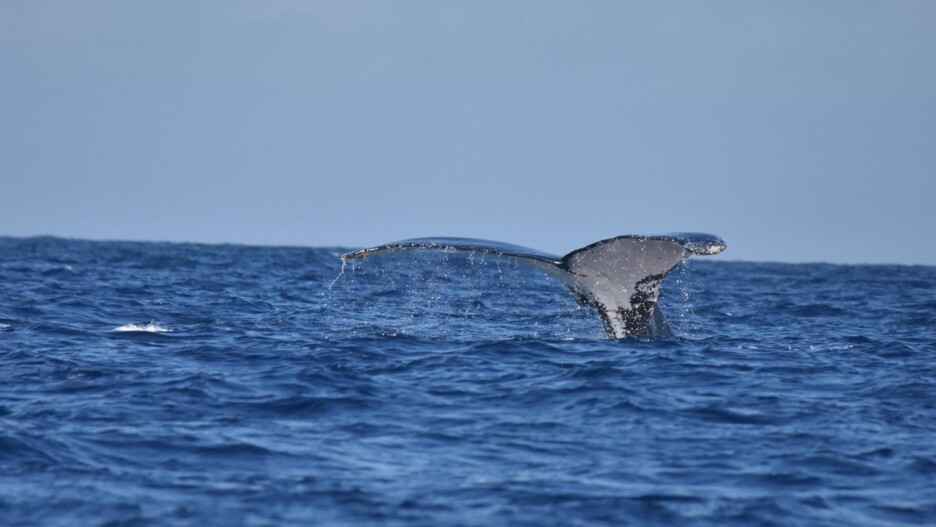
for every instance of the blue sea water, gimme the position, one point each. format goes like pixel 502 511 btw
pixel 182 384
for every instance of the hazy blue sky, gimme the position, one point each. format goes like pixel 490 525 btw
pixel 798 131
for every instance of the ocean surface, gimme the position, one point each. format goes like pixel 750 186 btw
pixel 183 384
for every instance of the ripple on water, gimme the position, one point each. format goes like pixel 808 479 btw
pixel 162 384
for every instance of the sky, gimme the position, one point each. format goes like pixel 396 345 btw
pixel 798 131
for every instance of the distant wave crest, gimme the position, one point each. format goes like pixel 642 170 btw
pixel 152 327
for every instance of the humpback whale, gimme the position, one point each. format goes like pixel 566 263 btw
pixel 620 277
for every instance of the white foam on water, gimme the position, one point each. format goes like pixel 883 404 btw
pixel 152 327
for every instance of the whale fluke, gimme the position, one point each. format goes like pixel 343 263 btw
pixel 620 276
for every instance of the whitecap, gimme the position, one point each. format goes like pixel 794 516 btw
pixel 152 327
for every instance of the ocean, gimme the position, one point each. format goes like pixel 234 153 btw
pixel 183 384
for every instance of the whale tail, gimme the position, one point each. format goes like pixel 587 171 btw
pixel 620 276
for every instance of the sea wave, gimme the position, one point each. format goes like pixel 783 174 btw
pixel 437 390
pixel 150 327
